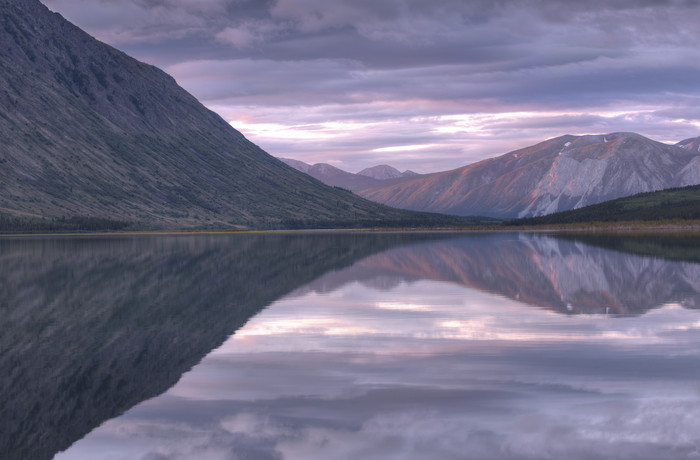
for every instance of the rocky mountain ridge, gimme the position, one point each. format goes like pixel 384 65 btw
pixel 384 172
pixel 375 176
pixel 563 173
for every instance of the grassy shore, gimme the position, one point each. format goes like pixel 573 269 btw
pixel 636 226
pixel 675 226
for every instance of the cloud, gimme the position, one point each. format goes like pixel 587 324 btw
pixel 474 407
pixel 518 382
pixel 246 34
pixel 406 62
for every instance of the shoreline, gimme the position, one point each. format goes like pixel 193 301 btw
pixel 692 227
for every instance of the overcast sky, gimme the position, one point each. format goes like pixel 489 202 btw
pixel 426 85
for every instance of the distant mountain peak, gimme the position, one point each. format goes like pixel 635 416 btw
pixel 296 164
pixel 386 172
pixel 331 175
pixel 381 172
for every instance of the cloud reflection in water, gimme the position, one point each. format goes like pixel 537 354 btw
pixel 434 365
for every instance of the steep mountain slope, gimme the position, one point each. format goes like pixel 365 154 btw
pixel 89 131
pixel 564 173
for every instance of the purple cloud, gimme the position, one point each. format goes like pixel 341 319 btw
pixel 402 68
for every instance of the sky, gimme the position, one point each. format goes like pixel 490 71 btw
pixel 426 85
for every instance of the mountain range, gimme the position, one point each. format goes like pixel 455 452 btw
pixel 562 173
pixel 91 135
pixel 91 132
pixel 375 176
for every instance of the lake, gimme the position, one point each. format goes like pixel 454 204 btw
pixel 350 346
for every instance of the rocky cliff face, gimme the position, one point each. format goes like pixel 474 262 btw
pixel 89 131
pixel 564 173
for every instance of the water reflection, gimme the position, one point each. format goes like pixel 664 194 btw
pixel 431 350
pixel 92 326
pixel 560 274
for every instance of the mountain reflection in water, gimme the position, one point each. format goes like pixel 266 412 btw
pixel 558 274
pixel 95 325
pixel 388 346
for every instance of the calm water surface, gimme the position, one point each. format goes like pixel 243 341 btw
pixel 509 346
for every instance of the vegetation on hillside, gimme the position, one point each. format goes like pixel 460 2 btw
pixel 23 224
pixel 27 224
pixel 677 204
pixel 671 246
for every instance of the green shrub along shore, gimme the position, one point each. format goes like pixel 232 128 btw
pixel 671 207
pixel 667 210
pixel 28 224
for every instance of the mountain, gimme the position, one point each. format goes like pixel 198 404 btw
pixel 376 176
pixel 563 173
pixel 332 176
pixel 90 132
pixel 690 144
pixel 384 172
pixel 671 204
pixel 298 165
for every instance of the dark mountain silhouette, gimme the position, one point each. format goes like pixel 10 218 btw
pixel 88 131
